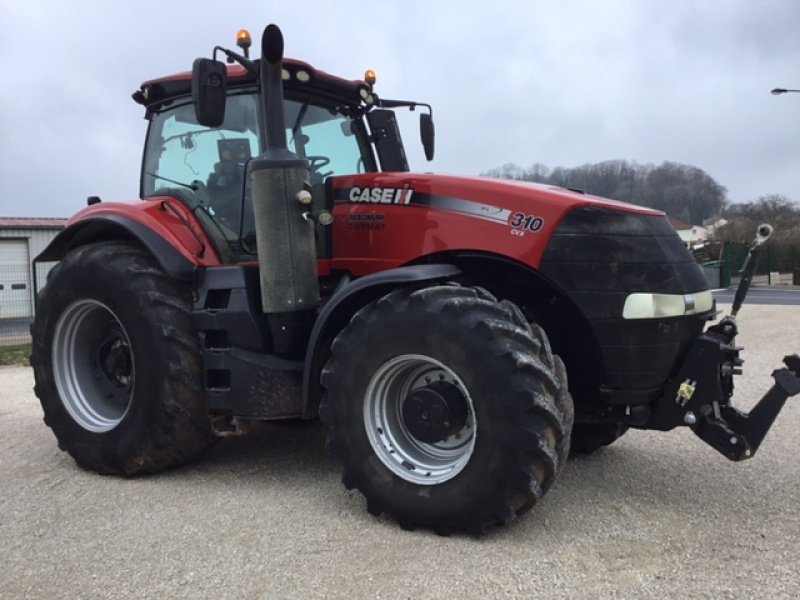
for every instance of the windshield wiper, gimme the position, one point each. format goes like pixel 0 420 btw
pixel 186 136
pixel 189 186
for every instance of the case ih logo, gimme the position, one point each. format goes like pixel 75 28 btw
pixel 378 195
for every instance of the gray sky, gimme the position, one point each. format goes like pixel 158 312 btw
pixel 561 83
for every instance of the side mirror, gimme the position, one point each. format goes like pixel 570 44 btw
pixel 427 134
pixel 208 91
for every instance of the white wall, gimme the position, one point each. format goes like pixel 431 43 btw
pixel 695 234
pixel 37 240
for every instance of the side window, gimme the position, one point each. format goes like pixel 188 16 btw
pixel 192 154
pixel 205 167
pixel 182 152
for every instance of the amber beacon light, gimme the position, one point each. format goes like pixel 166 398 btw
pixel 244 41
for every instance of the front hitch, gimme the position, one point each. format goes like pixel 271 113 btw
pixel 737 435
pixel 699 397
pixel 700 394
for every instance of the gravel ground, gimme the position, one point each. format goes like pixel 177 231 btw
pixel 655 515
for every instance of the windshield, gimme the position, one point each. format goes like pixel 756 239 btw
pixel 205 167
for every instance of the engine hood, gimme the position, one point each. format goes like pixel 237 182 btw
pixel 384 220
pixel 513 195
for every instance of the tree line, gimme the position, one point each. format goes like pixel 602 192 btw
pixel 682 191
pixel 782 253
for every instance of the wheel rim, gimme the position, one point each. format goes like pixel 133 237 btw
pixel 391 433
pixel 93 365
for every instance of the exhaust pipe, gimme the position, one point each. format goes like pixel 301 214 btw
pixel 287 255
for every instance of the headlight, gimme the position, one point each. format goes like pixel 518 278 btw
pixel 656 306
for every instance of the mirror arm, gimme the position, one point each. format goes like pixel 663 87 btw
pixel 234 57
pixel 402 104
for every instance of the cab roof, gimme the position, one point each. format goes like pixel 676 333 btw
pixel 312 84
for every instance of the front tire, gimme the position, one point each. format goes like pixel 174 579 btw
pixel 117 362
pixel 445 411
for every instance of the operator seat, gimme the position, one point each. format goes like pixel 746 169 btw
pixel 225 189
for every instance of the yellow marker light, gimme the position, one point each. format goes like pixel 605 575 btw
pixel 370 77
pixel 243 39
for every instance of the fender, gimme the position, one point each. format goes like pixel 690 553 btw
pixel 102 227
pixel 334 316
pixel 173 236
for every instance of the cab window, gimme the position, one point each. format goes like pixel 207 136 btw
pixel 205 168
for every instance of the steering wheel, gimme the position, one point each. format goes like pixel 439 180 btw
pixel 315 163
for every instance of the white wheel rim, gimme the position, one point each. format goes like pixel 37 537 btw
pixel 93 365
pixel 406 456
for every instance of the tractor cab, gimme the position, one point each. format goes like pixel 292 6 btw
pixel 197 150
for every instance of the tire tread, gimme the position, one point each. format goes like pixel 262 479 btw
pixel 184 430
pixel 539 397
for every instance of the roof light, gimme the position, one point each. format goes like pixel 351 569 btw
pixel 244 41
pixel 285 75
pixel 303 76
pixel 370 77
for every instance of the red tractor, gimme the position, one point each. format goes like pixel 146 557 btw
pixel 459 337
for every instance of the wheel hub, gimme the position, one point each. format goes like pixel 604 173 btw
pixel 435 412
pixel 115 362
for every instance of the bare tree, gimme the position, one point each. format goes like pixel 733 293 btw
pixel 783 250
pixel 682 191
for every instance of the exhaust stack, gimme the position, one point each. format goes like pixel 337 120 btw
pixel 287 255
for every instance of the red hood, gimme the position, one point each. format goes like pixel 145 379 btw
pixel 482 189
pixel 391 219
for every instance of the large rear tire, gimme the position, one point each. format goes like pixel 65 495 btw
pixel 445 411
pixel 117 362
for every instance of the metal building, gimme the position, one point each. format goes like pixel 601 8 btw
pixel 21 240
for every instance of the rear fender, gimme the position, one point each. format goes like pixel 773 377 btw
pixel 166 229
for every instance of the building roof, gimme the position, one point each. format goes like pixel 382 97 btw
pixel 678 224
pixel 32 223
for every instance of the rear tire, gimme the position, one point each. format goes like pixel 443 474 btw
pixel 117 362
pixel 444 411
